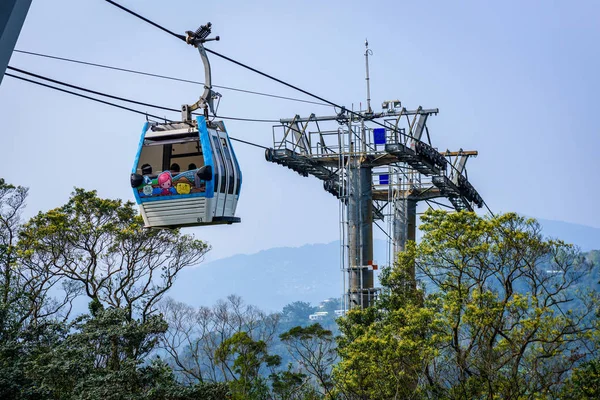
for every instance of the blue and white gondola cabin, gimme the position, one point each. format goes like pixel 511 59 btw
pixel 186 174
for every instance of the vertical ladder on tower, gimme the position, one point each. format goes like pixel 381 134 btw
pixel 343 216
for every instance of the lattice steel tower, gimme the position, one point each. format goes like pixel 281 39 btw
pixel 379 165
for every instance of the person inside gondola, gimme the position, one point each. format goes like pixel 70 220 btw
pixel 175 169
pixel 146 169
pixel 192 167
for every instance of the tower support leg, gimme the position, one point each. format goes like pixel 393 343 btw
pixel 405 229
pixel 411 228
pixel 360 237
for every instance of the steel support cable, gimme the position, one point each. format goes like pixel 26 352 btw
pixel 118 105
pixel 397 131
pixel 249 143
pixel 488 208
pixel 429 204
pixel 132 71
pixel 84 96
pixel 357 114
pixel 275 79
pixel 438 203
pixel 92 91
pixel 129 100
pixel 181 37
pixel 382 230
pixel 270 121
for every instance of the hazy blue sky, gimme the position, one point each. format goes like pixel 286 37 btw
pixel 516 80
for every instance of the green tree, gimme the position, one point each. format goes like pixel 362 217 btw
pixel 384 350
pixel 291 385
pixel 195 334
pixel 29 315
pixel 12 202
pixel 102 246
pixel 12 298
pixel 99 248
pixel 296 313
pixel 247 357
pixel 313 349
pixel 584 383
pixel 504 317
pixel 81 364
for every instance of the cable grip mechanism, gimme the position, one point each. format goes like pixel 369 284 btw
pixel 197 39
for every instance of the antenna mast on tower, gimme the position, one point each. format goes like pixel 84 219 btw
pixel 368 53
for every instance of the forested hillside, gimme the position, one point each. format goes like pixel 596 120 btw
pixel 504 313
pixel 269 279
pixel 272 278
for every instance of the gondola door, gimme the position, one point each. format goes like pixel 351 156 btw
pixel 221 190
pixel 232 176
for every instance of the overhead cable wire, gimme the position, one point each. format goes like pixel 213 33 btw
pixel 118 105
pixel 357 114
pixel 142 112
pixel 438 203
pixel 129 100
pixel 181 37
pixel 270 121
pixel 92 91
pixel 85 97
pixel 248 143
pixel 133 71
pixel 382 230
pixel 275 79
pixel 488 208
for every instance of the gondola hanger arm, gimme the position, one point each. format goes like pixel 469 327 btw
pixel 197 39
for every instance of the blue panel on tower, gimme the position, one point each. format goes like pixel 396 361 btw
pixel 379 135
pixel 384 179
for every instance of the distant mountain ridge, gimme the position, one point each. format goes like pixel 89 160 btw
pixel 272 278
pixel 269 279
pixel 586 237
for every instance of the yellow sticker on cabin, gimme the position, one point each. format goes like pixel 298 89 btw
pixel 183 188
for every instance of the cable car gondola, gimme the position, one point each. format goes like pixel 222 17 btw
pixel 186 173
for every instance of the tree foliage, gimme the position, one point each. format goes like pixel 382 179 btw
pixel 102 245
pixel 28 312
pixel 99 248
pixel 195 335
pixel 584 383
pixel 384 350
pixel 497 311
pixel 248 357
pixel 96 360
pixel 296 313
pixel 313 348
pixel 504 316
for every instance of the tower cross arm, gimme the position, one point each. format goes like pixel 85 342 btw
pixel 459 153
pixel 370 117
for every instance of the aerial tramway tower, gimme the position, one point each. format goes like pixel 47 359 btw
pixel 379 165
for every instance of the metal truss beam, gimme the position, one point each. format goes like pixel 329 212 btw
pixel 377 174
pixel 364 115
